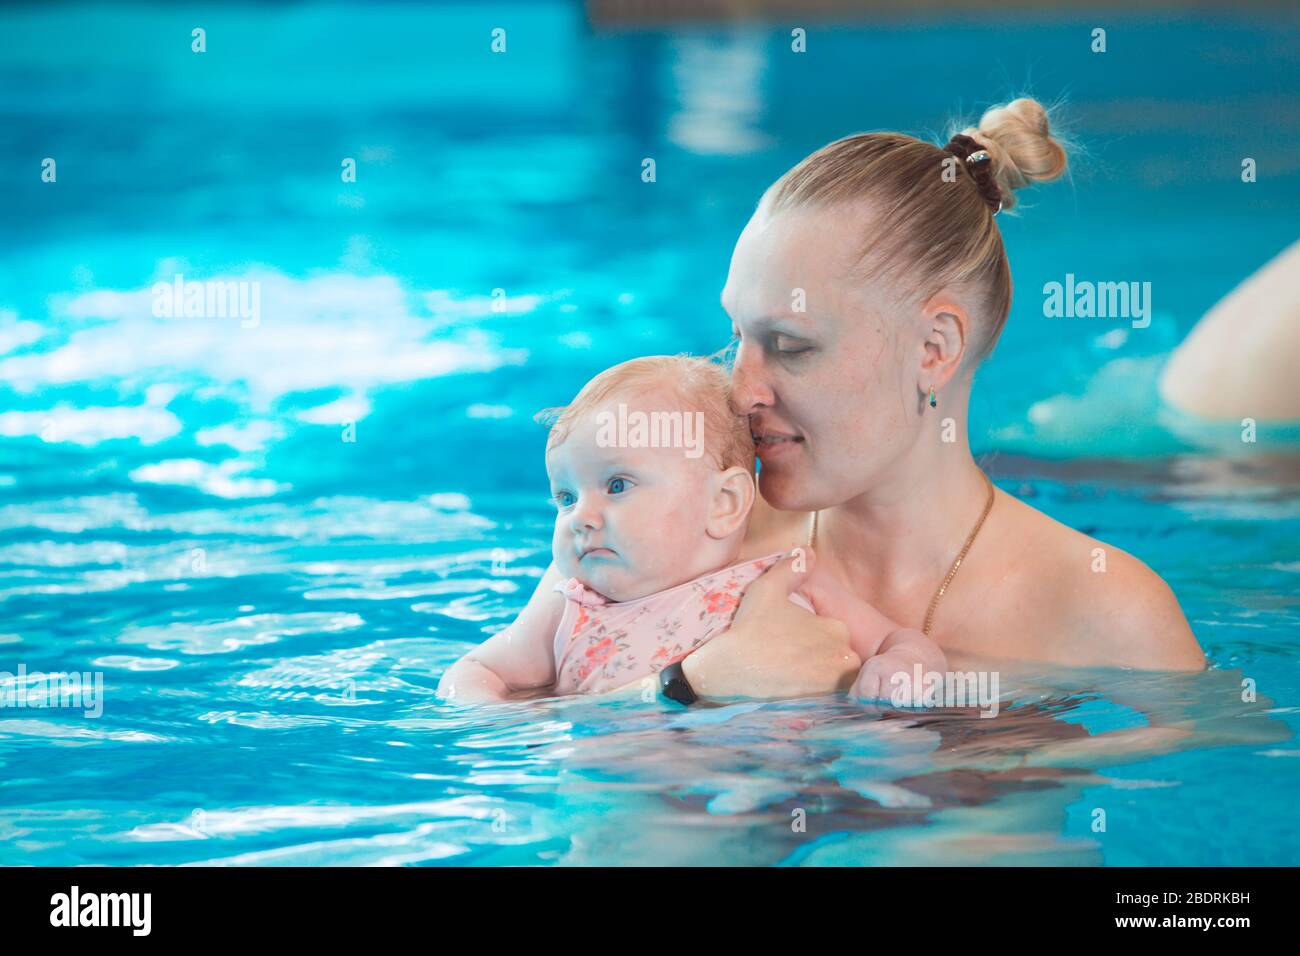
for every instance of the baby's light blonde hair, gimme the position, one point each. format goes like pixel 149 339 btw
pixel 699 384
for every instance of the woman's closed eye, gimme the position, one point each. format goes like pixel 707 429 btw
pixel 789 345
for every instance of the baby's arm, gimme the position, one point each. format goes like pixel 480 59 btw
pixel 901 651
pixel 518 659
pixel 868 628
pixel 885 648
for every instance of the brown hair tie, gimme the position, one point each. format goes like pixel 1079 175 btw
pixel 979 164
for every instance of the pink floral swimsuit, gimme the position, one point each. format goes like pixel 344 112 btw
pixel 602 645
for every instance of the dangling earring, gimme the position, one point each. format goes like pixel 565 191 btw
pixel 933 400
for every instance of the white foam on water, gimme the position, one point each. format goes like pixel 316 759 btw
pixel 223 637
pixel 91 426
pixel 215 479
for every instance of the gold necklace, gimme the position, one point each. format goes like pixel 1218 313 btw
pixel 952 571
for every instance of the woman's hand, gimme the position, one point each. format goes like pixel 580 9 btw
pixel 775 648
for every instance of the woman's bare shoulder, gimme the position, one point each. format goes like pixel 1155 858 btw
pixel 1107 606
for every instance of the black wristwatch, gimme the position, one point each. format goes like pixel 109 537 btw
pixel 674 685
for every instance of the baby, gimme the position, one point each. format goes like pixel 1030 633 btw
pixel 652 476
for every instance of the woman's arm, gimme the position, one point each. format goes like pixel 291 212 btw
pixel 1127 616
pixel 514 661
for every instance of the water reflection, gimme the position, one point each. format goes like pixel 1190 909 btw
pixel 831 782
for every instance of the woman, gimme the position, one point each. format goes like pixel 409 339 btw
pixel 863 294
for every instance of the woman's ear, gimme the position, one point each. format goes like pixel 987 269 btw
pixel 733 497
pixel 946 332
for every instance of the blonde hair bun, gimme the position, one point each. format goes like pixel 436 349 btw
pixel 1019 139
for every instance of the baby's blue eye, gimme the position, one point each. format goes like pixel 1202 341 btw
pixel 617 486
pixel 563 499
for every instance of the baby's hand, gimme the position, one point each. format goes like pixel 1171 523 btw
pixel 868 628
pixel 901 651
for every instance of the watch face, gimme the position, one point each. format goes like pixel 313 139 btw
pixel 675 686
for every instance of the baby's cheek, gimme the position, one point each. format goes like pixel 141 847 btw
pixel 562 553
pixel 566 565
pixel 675 533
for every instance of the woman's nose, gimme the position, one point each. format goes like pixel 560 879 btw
pixel 749 386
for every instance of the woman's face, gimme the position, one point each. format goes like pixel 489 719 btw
pixel 827 360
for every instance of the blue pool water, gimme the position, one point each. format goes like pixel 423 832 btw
pixel 271 606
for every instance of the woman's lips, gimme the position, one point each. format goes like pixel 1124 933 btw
pixel 770 445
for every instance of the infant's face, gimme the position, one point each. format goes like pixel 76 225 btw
pixel 629 521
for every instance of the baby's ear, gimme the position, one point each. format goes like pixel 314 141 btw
pixel 733 499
